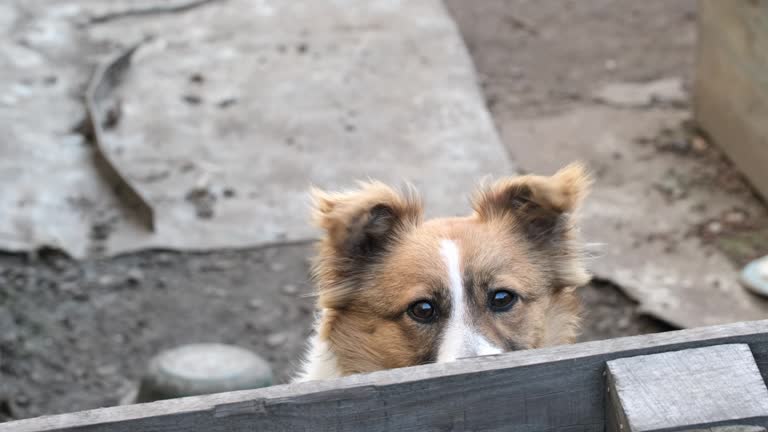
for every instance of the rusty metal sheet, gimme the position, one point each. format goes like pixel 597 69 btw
pixel 232 110
pixel 51 194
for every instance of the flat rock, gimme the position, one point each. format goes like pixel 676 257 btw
pixel 203 369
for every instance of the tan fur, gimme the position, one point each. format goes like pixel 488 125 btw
pixel 377 257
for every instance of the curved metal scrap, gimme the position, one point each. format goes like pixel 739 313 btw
pixel 106 77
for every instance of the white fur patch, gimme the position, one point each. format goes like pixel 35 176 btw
pixel 460 339
pixel 320 362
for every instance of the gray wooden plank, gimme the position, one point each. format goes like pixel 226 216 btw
pixel 615 417
pixel 553 389
pixel 699 386
pixel 733 428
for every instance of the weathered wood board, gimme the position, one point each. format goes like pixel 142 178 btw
pixel 731 90
pixel 554 389
pixel 732 428
pixel 699 386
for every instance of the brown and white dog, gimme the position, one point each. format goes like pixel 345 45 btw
pixel 395 291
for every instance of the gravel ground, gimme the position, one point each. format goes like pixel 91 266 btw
pixel 77 335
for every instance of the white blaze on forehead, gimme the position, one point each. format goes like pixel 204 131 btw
pixel 459 338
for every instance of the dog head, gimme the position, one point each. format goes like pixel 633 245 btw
pixel 397 291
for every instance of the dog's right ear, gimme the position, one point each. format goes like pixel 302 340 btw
pixel 359 225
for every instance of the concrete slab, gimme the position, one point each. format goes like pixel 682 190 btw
pixel 646 210
pixel 236 106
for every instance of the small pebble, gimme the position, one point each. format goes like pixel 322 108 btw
pixel 735 217
pixel 134 276
pixel 290 289
pixel 59 264
pixel 623 322
pixel 8 100
pixel 762 269
pixel 256 303
pixel 107 370
pixel 276 339
pixel 699 144
pixel 276 266
pixel 755 276
pixel 106 281
pixel 714 227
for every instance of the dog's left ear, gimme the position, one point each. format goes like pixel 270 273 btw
pixel 534 198
pixel 541 208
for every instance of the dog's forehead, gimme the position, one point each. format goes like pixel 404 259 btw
pixel 479 244
pixel 469 245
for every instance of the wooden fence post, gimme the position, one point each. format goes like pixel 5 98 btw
pixel 700 387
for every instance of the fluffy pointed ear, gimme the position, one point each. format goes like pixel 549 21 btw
pixel 540 208
pixel 360 224
pixel 534 197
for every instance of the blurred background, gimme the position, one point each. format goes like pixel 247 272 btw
pixel 155 157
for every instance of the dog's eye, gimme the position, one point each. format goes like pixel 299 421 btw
pixel 502 300
pixel 422 311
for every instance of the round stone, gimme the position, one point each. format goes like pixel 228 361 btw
pixel 203 369
pixel 755 276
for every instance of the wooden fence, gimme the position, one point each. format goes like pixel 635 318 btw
pixel 691 379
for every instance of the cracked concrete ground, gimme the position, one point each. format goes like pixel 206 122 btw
pixel 76 334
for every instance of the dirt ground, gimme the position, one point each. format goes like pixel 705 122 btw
pixel 76 335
